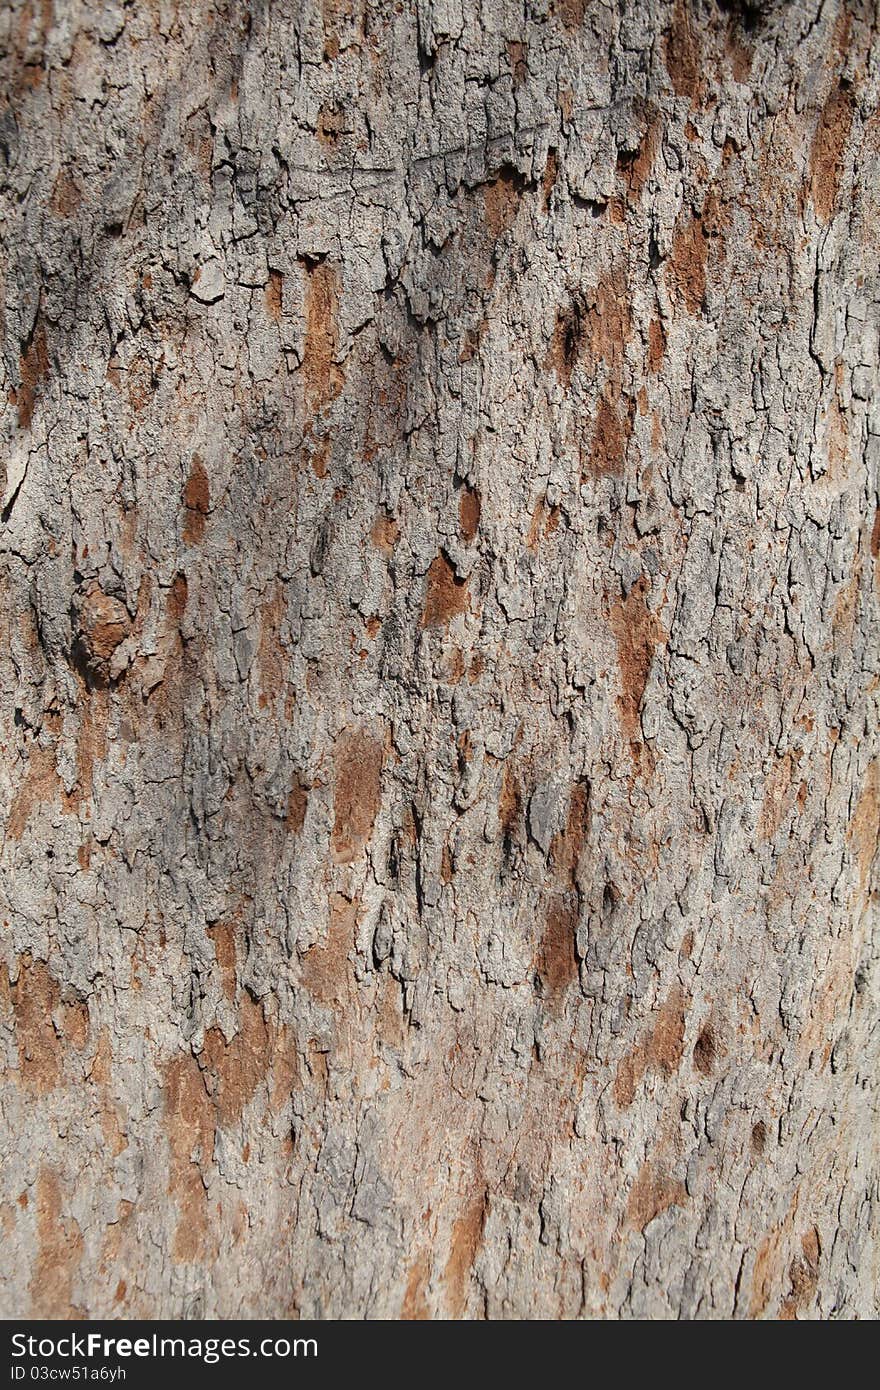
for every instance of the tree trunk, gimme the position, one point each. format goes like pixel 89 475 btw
pixel 439 669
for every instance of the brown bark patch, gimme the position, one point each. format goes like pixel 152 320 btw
pixel 271 655
pixel 557 962
pixel 705 1050
pixel 223 936
pixel 415 1307
pixel 611 433
pixel 637 631
pixel 66 196
pixel 331 124
pixel 517 56
pixel 237 1067
pixel 501 200
pixel 178 595
pixel 323 378
pixel 635 166
pixel 189 1128
pixel 196 502
pixel 467 1232
pixel 297 805
pixel 510 801
pixel 683 52
pixel 359 761
pixel 551 174
pixel 652 1193
pixel 565 345
pixel 570 12
pixel 826 151
pixel 566 847
pixel 34 369
pixel 326 971
pixel 469 508
pixel 272 295
pixel 687 264
pixel 609 322
pixel 779 796
pixel 59 1251
pixel 446 595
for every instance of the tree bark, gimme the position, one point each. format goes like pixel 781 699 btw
pixel 439 674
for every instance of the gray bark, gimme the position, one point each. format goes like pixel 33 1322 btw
pixel 439 669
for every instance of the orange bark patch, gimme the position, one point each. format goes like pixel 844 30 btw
pixel 359 760
pixel 467 1233
pixel 656 345
pixel 446 594
pixel 469 508
pixel 651 1194
pixel 415 1307
pixel 323 378
pixel 326 971
pixel 59 1251
pixel 864 828
pixel 196 502
pixel 189 1127
pixel 687 264
pixel 637 632
pixel 103 623
pixel 35 996
pixel 91 746
pixel 666 1046
pixel 544 523
pixel 34 368
pixel 826 152
pixel 238 1067
pixel 804 1275
pixel 39 785
pixel 660 1050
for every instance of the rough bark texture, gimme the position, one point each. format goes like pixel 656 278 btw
pixel 439 675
